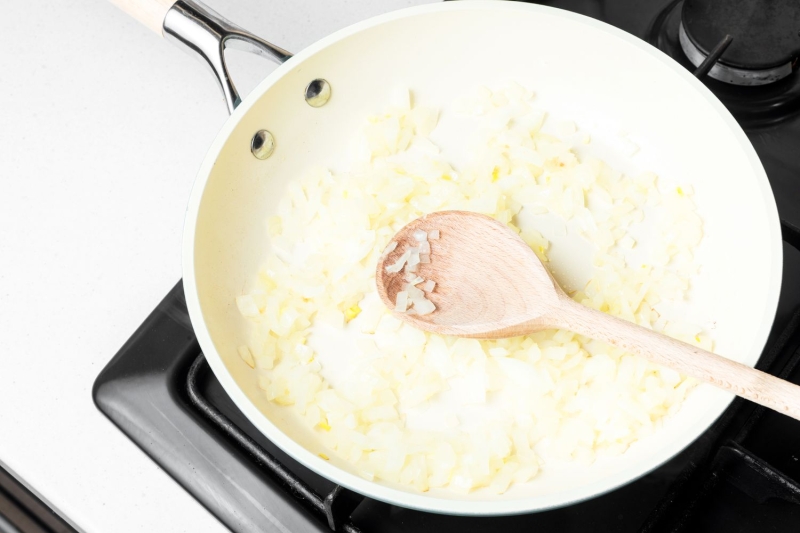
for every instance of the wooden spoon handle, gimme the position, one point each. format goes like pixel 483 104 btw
pixel 151 13
pixel 737 378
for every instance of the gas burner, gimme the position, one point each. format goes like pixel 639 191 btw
pixel 763 37
pixel 760 89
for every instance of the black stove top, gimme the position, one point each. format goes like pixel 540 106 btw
pixel 742 475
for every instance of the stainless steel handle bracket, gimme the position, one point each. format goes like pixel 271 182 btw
pixel 205 34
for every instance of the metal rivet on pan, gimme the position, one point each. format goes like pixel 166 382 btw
pixel 318 92
pixel 263 144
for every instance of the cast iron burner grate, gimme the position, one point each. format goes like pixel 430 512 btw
pixel 335 506
pixel 758 106
pixel 743 474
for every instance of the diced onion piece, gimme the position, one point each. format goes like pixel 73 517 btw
pixel 429 285
pixel 424 247
pixel 247 306
pixel 433 235
pixel 398 266
pixel 420 235
pixel 304 353
pixel 424 307
pixel 389 249
pixel 413 292
pixel 424 259
pixel 247 356
pixel 627 242
pixel 498 352
pixel 401 303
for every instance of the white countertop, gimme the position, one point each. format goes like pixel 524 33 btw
pixel 103 127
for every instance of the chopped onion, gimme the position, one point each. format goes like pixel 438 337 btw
pixel 389 249
pixel 424 307
pixel 401 304
pixel 247 306
pixel 550 395
pixel 396 267
pixel 247 356
pixel 413 292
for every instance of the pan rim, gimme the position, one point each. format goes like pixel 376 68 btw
pixel 421 501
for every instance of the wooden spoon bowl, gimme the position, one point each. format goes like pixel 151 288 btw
pixel 489 284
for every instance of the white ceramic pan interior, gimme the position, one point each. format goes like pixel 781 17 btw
pixel 582 70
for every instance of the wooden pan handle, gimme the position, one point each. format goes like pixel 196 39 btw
pixel 689 360
pixel 151 13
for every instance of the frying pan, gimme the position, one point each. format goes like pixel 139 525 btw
pixel 581 69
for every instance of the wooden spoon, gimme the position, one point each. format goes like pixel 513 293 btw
pixel 490 284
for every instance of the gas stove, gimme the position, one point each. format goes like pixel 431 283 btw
pixel 743 474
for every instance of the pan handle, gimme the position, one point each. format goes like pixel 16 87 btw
pixel 202 33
